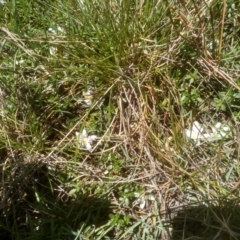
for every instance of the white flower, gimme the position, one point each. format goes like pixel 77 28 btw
pixel 53 50
pixel 56 30
pixel 19 62
pixel 84 140
pixel 88 97
pixel 51 30
pixel 219 131
pixel 2 1
pixel 142 198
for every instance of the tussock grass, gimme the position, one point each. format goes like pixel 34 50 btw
pixel 136 74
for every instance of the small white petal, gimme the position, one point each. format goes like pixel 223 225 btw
pixel 206 135
pixel 188 133
pixel 197 127
pixel 151 198
pixel 142 204
pixel 53 50
pixel 84 133
pixel 226 129
pixel 216 128
pixel 51 30
pixel 218 125
pixel 193 135
pixel 60 29
pixel 19 62
pixel 92 138
pixel 88 146
pixel 88 102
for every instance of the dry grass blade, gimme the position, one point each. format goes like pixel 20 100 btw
pixel 14 38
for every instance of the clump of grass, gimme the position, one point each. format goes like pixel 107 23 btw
pixel 135 75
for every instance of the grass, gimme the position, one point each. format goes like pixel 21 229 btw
pixel 136 74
